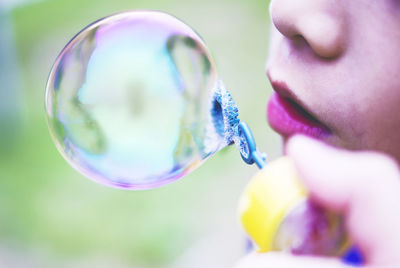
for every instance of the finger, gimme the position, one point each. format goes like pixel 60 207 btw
pixel 282 260
pixel 363 186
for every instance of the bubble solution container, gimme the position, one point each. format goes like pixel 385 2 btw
pixel 278 215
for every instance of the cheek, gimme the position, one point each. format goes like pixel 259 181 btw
pixel 368 117
pixel 382 119
pixel 365 108
pixel 374 62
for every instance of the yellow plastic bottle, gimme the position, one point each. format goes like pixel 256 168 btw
pixel 278 215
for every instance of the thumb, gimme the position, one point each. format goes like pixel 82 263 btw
pixel 282 260
pixel 363 186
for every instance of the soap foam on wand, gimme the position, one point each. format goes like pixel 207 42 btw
pixel 224 114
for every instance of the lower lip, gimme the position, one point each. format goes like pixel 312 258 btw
pixel 288 119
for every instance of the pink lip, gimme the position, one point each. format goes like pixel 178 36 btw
pixel 287 117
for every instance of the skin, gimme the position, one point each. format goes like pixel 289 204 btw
pixel 341 59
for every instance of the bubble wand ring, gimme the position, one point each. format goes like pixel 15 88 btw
pixel 225 114
pixel 248 149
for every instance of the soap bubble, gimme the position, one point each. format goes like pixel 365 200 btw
pixel 128 100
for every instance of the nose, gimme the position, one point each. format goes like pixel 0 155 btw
pixel 320 23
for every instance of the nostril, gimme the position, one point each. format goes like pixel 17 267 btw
pixel 317 25
pixel 325 35
pixel 298 40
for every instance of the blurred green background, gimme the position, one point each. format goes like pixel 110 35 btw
pixel 51 216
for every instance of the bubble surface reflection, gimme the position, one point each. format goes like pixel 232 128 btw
pixel 127 100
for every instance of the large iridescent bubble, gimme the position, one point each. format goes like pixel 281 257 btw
pixel 128 100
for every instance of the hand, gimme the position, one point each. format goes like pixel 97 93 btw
pixel 364 187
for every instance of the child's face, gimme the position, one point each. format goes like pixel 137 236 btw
pixel 338 60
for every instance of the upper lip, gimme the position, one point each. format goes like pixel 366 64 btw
pixel 282 89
